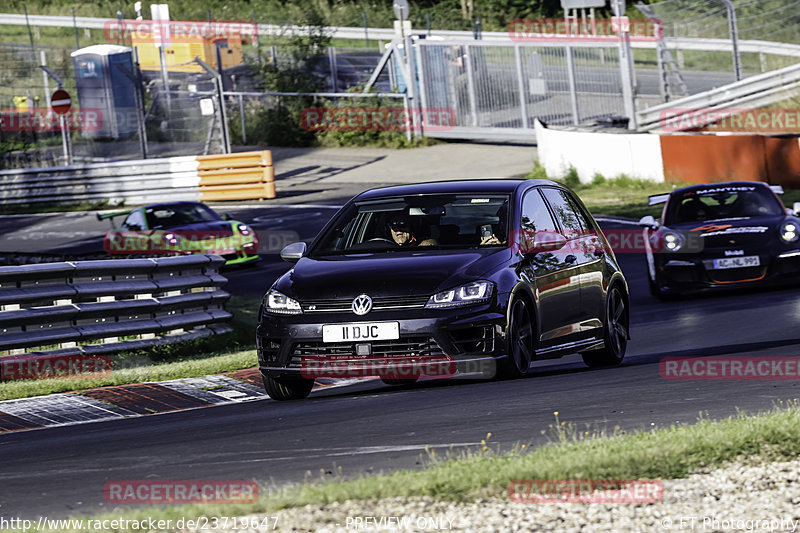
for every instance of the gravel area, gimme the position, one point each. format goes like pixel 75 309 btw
pixel 744 496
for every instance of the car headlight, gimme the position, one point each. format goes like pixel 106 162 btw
pixel 672 241
pixel 467 294
pixel 277 302
pixel 170 238
pixel 789 231
pixel 244 229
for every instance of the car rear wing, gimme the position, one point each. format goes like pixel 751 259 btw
pixel 657 199
pixel 661 198
pixel 104 216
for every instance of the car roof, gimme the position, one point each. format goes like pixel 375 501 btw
pixel 168 204
pixel 702 186
pixel 485 185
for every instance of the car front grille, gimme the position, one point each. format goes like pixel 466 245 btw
pixel 733 275
pixel 378 304
pixel 405 346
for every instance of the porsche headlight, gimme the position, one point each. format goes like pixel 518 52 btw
pixel 673 241
pixel 244 229
pixel 467 294
pixel 789 231
pixel 279 303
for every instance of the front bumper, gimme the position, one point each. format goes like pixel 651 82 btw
pixel 676 273
pixel 431 341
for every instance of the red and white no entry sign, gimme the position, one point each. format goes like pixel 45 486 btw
pixel 60 101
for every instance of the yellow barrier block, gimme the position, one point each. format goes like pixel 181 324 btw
pixel 239 175
pixel 242 176
pixel 240 160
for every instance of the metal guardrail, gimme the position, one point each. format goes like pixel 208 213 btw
pixel 387 34
pixel 135 182
pixel 56 306
pixel 751 92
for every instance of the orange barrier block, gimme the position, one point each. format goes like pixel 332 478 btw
pixel 242 176
pixel 714 158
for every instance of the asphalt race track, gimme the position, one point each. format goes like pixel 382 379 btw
pixel 370 427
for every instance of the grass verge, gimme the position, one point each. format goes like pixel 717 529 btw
pixel 575 453
pixel 211 355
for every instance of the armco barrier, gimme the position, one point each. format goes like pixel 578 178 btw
pixel 135 182
pixel 56 306
pixel 242 176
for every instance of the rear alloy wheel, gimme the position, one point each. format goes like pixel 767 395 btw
pixel 520 341
pixel 287 389
pixel 615 335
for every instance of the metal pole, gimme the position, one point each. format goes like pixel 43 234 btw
pixel 30 35
pixel 139 100
pixel 75 29
pixel 626 68
pixel 428 23
pixel 423 97
pixel 473 106
pixel 65 140
pixel 523 100
pixel 366 32
pixel 573 85
pixel 732 26
pixel 241 117
pixel 43 58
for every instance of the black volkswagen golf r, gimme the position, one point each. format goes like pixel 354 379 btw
pixel 475 274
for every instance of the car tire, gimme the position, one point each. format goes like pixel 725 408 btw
pixel 399 381
pixel 615 332
pixel 287 389
pixel 520 341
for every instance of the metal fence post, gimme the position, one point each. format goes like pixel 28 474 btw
pixel 473 105
pixel 732 27
pixel 573 85
pixel 423 97
pixel 523 99
pixel 626 68
pixel 241 117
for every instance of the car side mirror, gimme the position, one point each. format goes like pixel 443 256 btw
pixel 796 208
pixel 293 252
pixel 226 216
pixel 545 241
pixel 648 222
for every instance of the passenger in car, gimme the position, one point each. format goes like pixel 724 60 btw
pixel 500 227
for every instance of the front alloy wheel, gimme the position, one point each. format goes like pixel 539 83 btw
pixel 520 345
pixel 615 332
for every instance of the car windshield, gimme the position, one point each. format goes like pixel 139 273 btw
pixel 420 222
pixel 169 216
pixel 723 202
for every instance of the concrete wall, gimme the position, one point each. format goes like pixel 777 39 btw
pixel 636 154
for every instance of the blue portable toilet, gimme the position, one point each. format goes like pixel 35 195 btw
pixel 104 91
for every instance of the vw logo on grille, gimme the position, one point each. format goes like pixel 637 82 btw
pixel 362 304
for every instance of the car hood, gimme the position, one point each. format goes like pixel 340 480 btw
pixel 747 232
pixel 389 274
